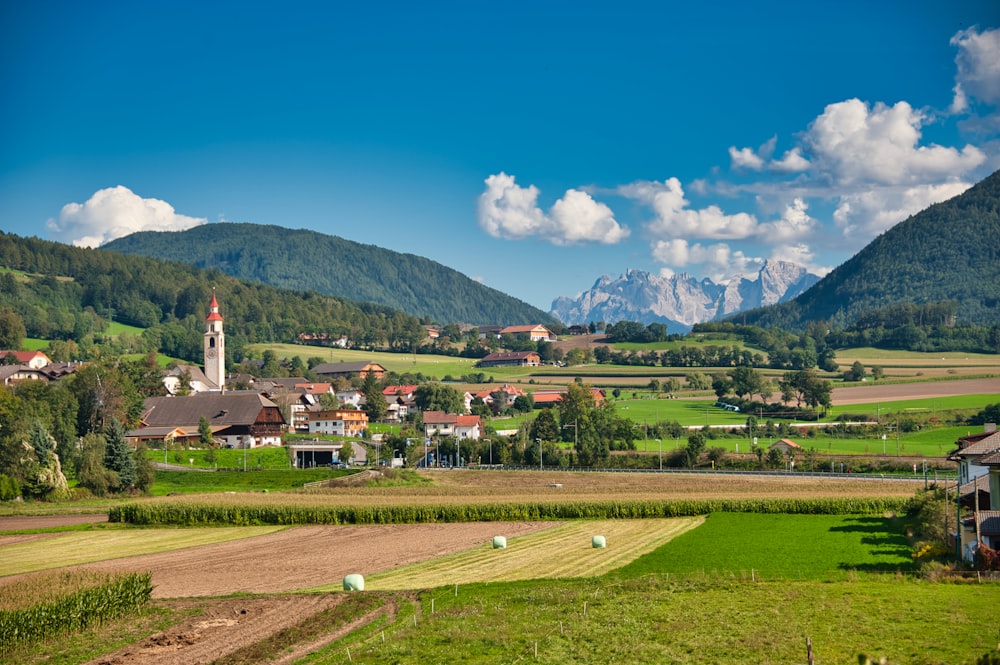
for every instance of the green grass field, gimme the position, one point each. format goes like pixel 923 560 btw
pixel 225 458
pixel 777 547
pixel 199 482
pixel 738 589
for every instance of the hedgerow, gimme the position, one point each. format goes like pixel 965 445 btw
pixel 205 514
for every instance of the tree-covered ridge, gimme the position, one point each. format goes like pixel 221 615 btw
pixel 297 259
pixel 64 292
pixel 946 253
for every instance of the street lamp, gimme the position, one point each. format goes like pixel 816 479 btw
pixel 539 454
pixel 660 443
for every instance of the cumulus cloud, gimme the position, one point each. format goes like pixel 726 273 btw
pixel 507 210
pixel 718 261
pixel 794 223
pixel 978 68
pixel 115 212
pixel 675 219
pixel 853 143
pixel 791 162
pixel 745 158
pixel 865 214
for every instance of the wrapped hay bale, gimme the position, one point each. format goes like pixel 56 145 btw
pixel 598 541
pixel 354 582
pixel 499 542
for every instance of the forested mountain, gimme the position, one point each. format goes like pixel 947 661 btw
pixel 947 256
pixel 301 259
pixel 63 292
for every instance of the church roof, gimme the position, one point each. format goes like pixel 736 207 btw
pixel 213 310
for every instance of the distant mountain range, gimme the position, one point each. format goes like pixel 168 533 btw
pixel 681 301
pixel 948 253
pixel 309 261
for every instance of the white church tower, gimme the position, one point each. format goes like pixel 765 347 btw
pixel 215 346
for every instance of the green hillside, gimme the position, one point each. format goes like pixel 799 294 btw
pixel 946 255
pixel 70 293
pixel 301 259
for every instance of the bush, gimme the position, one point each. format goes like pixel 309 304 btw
pixel 10 489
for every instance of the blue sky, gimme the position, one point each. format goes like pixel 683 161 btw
pixel 531 145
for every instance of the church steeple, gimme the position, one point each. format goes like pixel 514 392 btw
pixel 215 346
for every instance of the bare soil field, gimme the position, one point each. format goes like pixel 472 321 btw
pixel 920 390
pixel 305 557
pixel 27 522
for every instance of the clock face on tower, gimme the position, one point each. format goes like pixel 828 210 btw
pixel 210 353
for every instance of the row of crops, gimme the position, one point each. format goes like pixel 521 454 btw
pixel 206 514
pixel 78 604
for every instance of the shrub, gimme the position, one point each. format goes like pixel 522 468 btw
pixel 10 489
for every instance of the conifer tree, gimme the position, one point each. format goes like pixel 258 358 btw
pixel 118 455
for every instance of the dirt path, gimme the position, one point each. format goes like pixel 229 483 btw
pixel 222 628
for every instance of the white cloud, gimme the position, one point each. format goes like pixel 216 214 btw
pixel 745 158
pixel 507 210
pixel 718 261
pixel 864 215
pixel 115 212
pixel 794 223
pixel 674 219
pixel 791 162
pixel 978 68
pixel 851 143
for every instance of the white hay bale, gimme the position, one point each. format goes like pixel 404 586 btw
pixel 354 582
pixel 499 542
pixel 598 541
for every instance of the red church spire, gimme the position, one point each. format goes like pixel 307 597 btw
pixel 213 310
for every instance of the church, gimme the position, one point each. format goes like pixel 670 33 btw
pixel 191 379
pixel 237 419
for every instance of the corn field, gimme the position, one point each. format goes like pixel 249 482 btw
pixel 206 514
pixel 77 603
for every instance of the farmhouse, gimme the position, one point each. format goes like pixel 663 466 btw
pixel 237 419
pixel 511 359
pixel 439 423
pixel 536 333
pixel 30 359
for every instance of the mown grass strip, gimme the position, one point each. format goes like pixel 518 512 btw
pixel 561 551
pixel 206 514
pixel 90 546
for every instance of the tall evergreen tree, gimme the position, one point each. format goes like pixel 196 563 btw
pixel 40 440
pixel 118 455
pixel 375 405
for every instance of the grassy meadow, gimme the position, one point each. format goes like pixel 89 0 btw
pixel 736 589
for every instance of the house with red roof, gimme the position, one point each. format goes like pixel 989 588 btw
pixel 543 398
pixel 786 446
pixel 439 423
pixel 30 359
